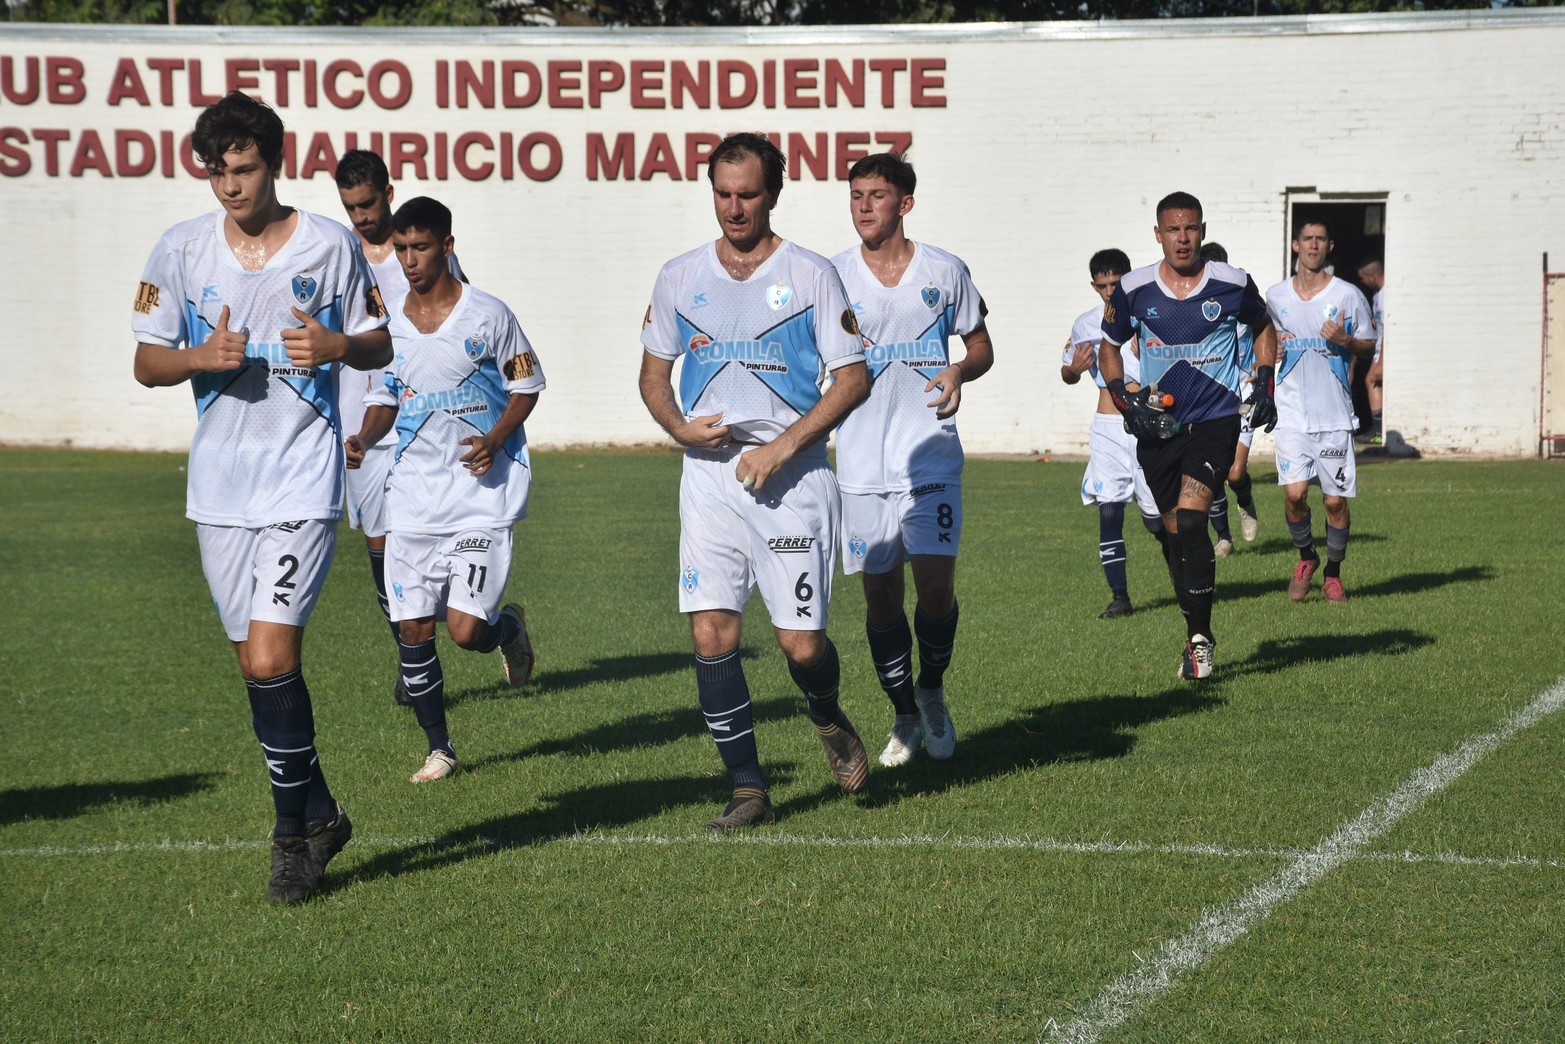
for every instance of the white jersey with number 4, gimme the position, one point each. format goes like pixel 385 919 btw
pixel 893 442
pixel 755 351
pixel 1313 375
pixel 267 446
pixel 447 386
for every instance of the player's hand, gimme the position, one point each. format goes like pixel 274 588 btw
pixel 1335 334
pixel 1082 358
pixel 707 432
pixel 1134 407
pixel 353 452
pixel 224 349
pixel 754 467
pixel 480 458
pixel 312 344
pixel 948 382
pixel 1262 401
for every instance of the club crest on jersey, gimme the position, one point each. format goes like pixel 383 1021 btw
pixel 689 580
pixel 1210 310
pixel 778 294
pixel 474 347
pixel 303 287
pixel 931 296
pixel 1332 311
pixel 858 546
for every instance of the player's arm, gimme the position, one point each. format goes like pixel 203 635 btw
pixel 482 448
pixel 158 366
pixel 378 420
pixel 1263 403
pixel 312 344
pixel 1336 333
pixel 976 362
pixel 1081 358
pixel 850 386
pixel 657 391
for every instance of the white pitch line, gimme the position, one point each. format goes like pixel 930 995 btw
pixel 923 841
pixel 1222 925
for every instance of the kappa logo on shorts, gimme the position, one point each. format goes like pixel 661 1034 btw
pixel 689 580
pixel 304 286
pixel 790 545
pixel 931 296
pixel 1210 310
pixel 858 546
pixel 474 347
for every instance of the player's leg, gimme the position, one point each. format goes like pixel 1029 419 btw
pixel 1239 480
pixel 934 621
pixel 874 550
pixel 1160 466
pixel 1110 482
pixel 367 513
pixel 480 565
pixel 715 580
pixel 1338 484
pixel 420 573
pixel 1206 453
pixel 1296 466
pixel 1217 514
pixel 792 530
pixel 1376 393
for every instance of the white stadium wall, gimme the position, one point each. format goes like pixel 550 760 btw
pixel 1035 146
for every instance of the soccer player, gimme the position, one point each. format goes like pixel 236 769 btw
pixel 1113 477
pixel 364 187
pixel 269 303
pixel 899 460
pixel 1319 319
pixel 1372 275
pixel 1185 311
pixel 463 382
pixel 758 321
pixel 1239 474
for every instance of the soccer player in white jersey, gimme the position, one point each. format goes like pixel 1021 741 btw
pixel 1372 276
pixel 1323 324
pixel 365 190
pixel 1239 473
pixel 899 460
pixel 758 322
pixel 269 303
pixel 1185 311
pixel 463 382
pixel 1113 477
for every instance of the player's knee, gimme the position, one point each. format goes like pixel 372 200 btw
pixel 1192 523
pixel 802 648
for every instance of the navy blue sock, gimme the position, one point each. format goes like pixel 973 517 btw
pixel 425 682
pixel 500 632
pixel 378 571
pixel 1111 545
pixel 819 683
pixel 891 649
pixel 1174 559
pixel 725 702
pixel 1199 564
pixel 935 641
pixel 1218 514
pixel 1244 492
pixel 284 723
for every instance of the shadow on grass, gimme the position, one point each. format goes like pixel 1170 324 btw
pixel 642 730
pixel 1279 654
pixel 74 799
pixel 559 816
pixel 607 669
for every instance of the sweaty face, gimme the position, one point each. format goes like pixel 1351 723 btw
pixel 242 183
pixel 877 206
pixel 1313 247
pixel 743 205
pixel 1179 232
pixel 423 257
pixel 369 210
pixel 1104 283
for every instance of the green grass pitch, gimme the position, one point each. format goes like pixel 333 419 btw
pixel 560 886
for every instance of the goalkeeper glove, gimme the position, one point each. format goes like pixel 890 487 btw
pixel 1262 401
pixel 1139 420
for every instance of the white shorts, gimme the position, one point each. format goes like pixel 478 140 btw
pixel 882 530
pixel 782 538
pixel 1246 433
pixel 1113 476
pixel 366 485
pixel 273 574
pixel 466 571
pixel 1325 457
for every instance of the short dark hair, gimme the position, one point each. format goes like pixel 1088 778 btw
pixel 736 147
pixel 1214 252
pixel 431 215
pixel 1367 260
pixel 238 122
pixel 1298 226
pixel 893 167
pixel 1109 262
pixel 1180 201
pixel 362 167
